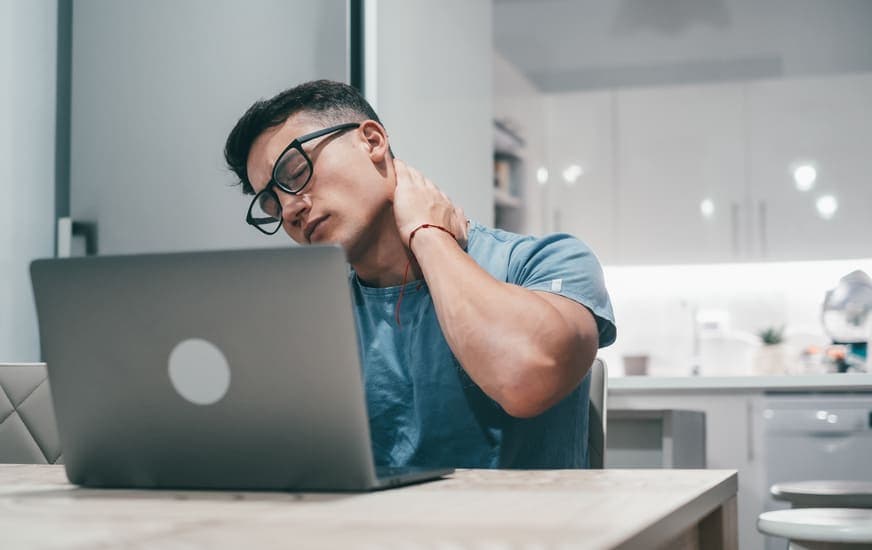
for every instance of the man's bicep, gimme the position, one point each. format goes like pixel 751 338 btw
pixel 568 275
pixel 580 321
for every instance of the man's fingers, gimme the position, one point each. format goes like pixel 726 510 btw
pixel 407 175
pixel 421 201
pixel 401 168
pixel 416 176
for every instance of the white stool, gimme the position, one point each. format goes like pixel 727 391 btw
pixel 820 528
pixel 824 494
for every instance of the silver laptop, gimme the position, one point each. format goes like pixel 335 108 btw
pixel 209 370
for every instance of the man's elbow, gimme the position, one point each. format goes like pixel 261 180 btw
pixel 538 389
pixel 524 408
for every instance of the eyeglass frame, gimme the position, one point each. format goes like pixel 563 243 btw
pixel 297 144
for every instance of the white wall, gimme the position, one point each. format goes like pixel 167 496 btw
pixel 156 88
pixel 28 50
pixel 433 93
pixel 655 308
pixel 516 99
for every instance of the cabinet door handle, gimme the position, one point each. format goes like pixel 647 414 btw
pixel 734 228
pixel 749 427
pixel 761 225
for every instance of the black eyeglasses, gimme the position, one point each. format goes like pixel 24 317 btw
pixel 291 174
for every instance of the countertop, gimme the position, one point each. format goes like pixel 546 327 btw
pixel 782 383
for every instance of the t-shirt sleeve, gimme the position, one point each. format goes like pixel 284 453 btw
pixel 564 265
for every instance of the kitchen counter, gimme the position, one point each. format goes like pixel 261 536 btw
pixel 783 383
pixel 735 421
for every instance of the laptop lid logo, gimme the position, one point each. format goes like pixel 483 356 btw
pixel 199 371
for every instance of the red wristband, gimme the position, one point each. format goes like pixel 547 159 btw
pixel 427 226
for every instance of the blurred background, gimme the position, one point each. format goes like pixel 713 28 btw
pixel 713 153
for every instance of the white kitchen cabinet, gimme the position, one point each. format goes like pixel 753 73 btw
pixel 831 432
pixel 741 434
pixel 680 175
pixel 733 441
pixel 704 173
pixel 659 438
pixel 580 132
pixel 826 123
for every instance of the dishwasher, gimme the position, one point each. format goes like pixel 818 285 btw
pixel 815 436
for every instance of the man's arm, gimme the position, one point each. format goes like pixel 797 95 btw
pixel 525 349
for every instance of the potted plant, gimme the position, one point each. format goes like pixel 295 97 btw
pixel 770 356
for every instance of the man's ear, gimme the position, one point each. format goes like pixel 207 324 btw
pixel 375 139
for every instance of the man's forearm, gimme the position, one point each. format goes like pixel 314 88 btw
pixel 514 344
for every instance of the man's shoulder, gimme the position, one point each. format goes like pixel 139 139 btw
pixel 484 240
pixel 480 234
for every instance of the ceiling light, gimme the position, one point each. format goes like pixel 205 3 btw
pixel 804 176
pixel 707 208
pixel 827 206
pixel 571 173
pixel 542 175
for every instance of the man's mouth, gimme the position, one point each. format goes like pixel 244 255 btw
pixel 311 227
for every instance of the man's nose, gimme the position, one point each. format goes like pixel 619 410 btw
pixel 294 207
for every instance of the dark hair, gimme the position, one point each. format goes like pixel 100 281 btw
pixel 327 101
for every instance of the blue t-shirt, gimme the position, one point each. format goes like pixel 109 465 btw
pixel 424 410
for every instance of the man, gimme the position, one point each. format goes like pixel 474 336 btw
pixel 475 342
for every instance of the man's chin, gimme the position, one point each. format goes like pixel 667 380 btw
pixel 333 241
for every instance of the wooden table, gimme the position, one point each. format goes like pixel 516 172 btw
pixel 482 509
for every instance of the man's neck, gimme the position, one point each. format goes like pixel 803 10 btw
pixel 382 261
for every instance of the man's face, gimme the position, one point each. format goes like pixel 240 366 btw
pixel 348 192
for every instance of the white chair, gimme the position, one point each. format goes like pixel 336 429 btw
pixel 820 528
pixel 596 417
pixel 28 434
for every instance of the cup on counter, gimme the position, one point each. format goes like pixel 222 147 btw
pixel 635 365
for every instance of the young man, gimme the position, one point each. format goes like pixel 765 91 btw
pixel 475 342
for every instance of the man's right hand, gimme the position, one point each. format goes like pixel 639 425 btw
pixel 418 201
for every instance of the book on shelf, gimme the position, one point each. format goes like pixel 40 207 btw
pixel 502 173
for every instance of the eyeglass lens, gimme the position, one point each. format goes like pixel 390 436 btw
pixel 292 170
pixel 266 212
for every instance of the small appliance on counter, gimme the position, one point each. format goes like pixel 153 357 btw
pixel 847 320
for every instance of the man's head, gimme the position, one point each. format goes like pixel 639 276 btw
pixel 349 189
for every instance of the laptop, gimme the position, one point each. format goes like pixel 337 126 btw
pixel 209 370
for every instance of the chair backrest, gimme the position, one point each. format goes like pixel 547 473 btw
pixel 596 418
pixel 28 433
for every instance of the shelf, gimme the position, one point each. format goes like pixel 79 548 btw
pixel 509 171
pixel 506 142
pixel 505 199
